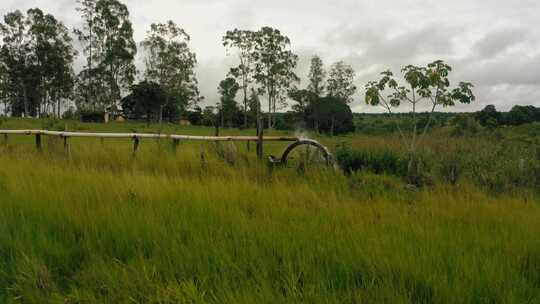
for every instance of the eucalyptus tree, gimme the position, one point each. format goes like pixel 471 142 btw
pixel 117 49
pixel 15 54
pixel 317 75
pixel 228 88
pixel 427 86
pixel 87 82
pixel 37 56
pixel 340 82
pixel 243 41
pixel 274 65
pixel 52 56
pixel 171 63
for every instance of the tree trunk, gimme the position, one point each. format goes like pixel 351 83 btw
pixel 245 107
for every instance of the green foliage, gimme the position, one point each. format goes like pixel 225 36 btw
pixel 228 107
pixel 340 83
pixel 107 36
pixel 91 116
pixel 464 124
pixel 36 60
pixel 317 75
pixel 428 83
pixel 147 100
pixel 330 115
pixel 385 162
pixel 274 65
pixel 171 63
pixel 519 115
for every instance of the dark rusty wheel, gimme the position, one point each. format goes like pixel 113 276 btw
pixel 309 142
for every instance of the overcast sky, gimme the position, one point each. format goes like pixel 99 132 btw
pixel 494 44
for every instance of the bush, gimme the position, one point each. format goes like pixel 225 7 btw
pixel 385 162
pixel 92 116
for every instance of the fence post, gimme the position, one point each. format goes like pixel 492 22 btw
pixel 66 144
pixel 38 141
pixel 175 143
pixel 135 144
pixel 5 139
pixel 260 134
pixel 248 146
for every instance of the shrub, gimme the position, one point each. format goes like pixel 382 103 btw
pixel 385 162
pixel 91 116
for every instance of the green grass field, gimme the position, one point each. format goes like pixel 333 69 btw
pixel 102 226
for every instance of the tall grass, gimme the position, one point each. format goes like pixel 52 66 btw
pixel 102 226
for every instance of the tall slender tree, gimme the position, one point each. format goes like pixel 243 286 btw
pixel 317 75
pixel 228 88
pixel 87 36
pixel 117 48
pixel 171 63
pixel 244 42
pixel 274 67
pixel 341 82
pixel 52 56
pixel 15 55
pixel 37 56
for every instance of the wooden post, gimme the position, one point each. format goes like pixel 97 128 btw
pixel 66 145
pixel 5 140
pixel 248 145
pixel 260 134
pixel 175 143
pixel 217 129
pixel 38 141
pixel 135 144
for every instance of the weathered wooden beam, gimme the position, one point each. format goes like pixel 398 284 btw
pixel 38 141
pixel 175 143
pixel 149 135
pixel 66 144
pixel 135 144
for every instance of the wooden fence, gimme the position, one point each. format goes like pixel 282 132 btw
pixel 136 137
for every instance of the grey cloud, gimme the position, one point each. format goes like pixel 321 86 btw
pixel 493 43
pixel 497 42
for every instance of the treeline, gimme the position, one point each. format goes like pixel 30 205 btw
pixel 489 116
pixel 37 77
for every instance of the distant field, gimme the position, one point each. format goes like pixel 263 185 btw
pixel 102 226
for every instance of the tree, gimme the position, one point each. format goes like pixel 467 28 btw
pixel 86 82
pixel 303 99
pixel 146 99
pixel 489 117
pixel 15 54
pixel 208 116
pixel 341 82
pixel 254 105
pixel 170 62
pixel 195 116
pixel 330 115
pixel 228 106
pixel 52 59
pixel 424 85
pixel 244 42
pixel 36 59
pixel 274 65
pixel 519 115
pixel 317 74
pixel 116 50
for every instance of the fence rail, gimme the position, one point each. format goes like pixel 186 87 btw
pixel 136 137
pixel 145 135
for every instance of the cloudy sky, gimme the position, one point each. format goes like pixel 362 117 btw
pixel 494 44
